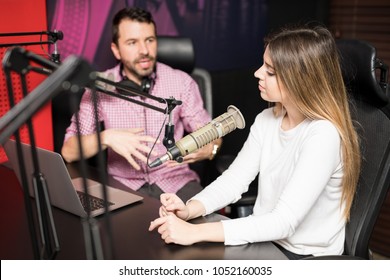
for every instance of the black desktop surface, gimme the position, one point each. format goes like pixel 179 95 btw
pixel 130 238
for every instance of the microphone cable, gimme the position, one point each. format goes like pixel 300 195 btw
pixel 166 114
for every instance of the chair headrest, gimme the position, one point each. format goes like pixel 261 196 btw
pixel 177 52
pixel 360 66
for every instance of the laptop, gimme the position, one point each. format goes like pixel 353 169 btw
pixel 64 192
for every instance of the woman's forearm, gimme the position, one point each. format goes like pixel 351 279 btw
pixel 195 209
pixel 209 232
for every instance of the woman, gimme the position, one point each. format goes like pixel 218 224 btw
pixel 304 148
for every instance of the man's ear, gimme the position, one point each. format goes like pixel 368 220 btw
pixel 115 51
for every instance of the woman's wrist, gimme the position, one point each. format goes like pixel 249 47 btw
pixel 209 232
pixel 195 209
pixel 188 211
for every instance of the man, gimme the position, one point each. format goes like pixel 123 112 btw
pixel 131 129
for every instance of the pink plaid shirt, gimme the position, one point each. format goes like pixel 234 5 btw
pixel 119 113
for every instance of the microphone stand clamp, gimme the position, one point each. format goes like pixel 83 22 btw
pixel 169 140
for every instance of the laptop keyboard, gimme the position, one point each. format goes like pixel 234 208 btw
pixel 94 202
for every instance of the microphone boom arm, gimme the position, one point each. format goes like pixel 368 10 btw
pixel 127 89
pixel 171 102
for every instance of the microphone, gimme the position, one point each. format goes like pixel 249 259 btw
pixel 215 129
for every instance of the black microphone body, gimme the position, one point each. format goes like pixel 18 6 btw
pixel 215 129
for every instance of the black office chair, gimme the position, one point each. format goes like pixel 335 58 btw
pixel 371 110
pixel 178 52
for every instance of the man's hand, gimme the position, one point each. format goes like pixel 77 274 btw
pixel 201 154
pixel 128 143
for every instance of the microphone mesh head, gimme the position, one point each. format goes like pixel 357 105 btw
pixel 238 117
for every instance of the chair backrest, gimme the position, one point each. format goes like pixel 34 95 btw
pixel 178 52
pixel 371 110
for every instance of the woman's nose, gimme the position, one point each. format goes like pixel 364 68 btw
pixel 258 74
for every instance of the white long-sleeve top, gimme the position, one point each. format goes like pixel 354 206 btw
pixel 299 189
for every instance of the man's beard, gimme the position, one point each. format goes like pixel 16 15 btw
pixel 140 74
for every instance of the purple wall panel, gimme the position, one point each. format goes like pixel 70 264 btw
pixel 227 34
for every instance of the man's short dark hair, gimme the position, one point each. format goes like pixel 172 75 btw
pixel 131 13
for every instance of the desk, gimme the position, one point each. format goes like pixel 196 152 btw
pixel 129 227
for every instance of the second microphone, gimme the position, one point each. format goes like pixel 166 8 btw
pixel 215 129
